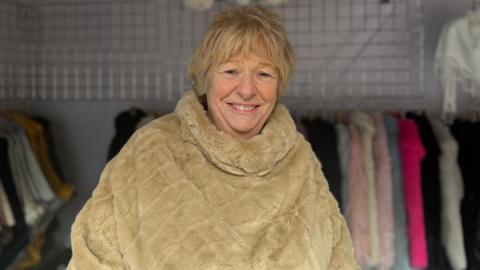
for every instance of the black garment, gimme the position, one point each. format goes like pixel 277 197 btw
pixel 6 236
pixel 467 135
pixel 20 230
pixel 323 138
pixel 431 194
pixel 125 124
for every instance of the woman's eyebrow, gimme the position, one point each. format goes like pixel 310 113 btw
pixel 265 64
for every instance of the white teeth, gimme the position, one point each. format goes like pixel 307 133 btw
pixel 243 107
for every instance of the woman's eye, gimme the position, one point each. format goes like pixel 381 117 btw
pixel 265 75
pixel 231 72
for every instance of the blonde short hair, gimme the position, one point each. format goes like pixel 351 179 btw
pixel 239 31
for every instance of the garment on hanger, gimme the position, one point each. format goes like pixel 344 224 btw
pixel 37 181
pixel 402 261
pixel 21 176
pixel 451 187
pixel 383 190
pixel 6 214
pixel 323 138
pixel 467 135
pixel 457 60
pixel 19 230
pixel 357 207
pixel 300 127
pixel 412 153
pixel 6 236
pixel 364 123
pixel 343 148
pixel 125 124
pixel 27 174
pixel 35 134
pixel 431 193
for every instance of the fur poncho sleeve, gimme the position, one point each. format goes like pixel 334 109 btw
pixel 183 195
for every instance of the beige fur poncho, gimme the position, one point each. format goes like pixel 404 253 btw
pixel 183 195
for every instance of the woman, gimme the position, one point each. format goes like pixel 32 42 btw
pixel 225 182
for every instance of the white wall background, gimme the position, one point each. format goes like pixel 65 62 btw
pixel 93 59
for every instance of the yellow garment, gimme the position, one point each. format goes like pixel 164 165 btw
pixel 37 141
pixel 34 254
pixel 183 195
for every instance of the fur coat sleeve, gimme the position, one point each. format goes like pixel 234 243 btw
pixel 98 250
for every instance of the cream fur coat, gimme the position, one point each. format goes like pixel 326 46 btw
pixel 183 195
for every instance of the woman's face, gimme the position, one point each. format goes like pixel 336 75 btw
pixel 242 95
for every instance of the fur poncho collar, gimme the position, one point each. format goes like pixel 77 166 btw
pixel 256 156
pixel 183 195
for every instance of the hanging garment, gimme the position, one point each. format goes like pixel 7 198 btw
pixel 182 194
pixel 437 259
pixel 19 168
pixel 364 123
pixel 402 261
pixel 383 189
pixel 451 187
pixel 19 230
pixel 323 138
pixel 412 154
pixel 37 181
pixel 125 125
pixel 357 207
pixel 6 214
pixel 457 60
pixel 34 132
pixel 149 117
pixel 300 127
pixel 6 236
pixel 467 135
pixel 344 155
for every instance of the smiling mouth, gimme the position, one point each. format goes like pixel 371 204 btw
pixel 243 108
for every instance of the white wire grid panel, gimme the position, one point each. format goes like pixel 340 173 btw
pixel 350 53
pixel 18 36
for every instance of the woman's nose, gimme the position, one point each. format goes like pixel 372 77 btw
pixel 246 89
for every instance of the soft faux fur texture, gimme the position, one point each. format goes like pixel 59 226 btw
pixel 383 185
pixel 366 128
pixel 412 152
pixel 344 155
pixel 357 208
pixel 401 242
pixel 183 195
pixel 451 186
